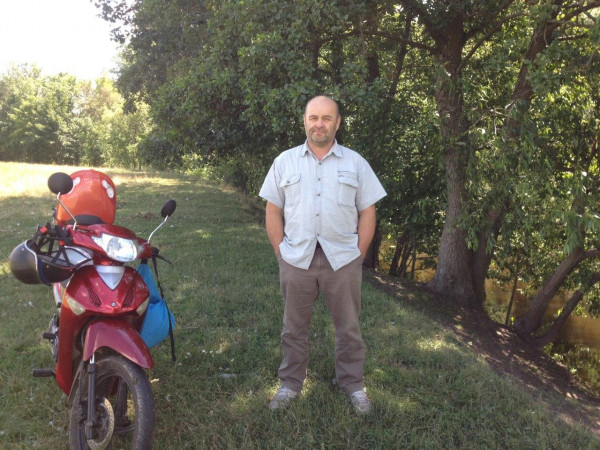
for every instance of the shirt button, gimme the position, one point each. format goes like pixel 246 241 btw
pixel 319 194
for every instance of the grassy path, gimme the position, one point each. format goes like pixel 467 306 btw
pixel 429 391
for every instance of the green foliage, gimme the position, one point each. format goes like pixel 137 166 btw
pixel 156 151
pixel 239 102
pixel 470 100
pixel 59 119
pixel 161 36
pixel 124 134
pixel 583 362
pixel 35 113
pixel 554 189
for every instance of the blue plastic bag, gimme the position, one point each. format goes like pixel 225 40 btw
pixel 155 328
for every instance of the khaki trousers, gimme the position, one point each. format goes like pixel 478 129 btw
pixel 341 293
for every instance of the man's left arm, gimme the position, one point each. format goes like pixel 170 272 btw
pixel 366 229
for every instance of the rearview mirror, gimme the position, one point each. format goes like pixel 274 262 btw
pixel 60 183
pixel 168 208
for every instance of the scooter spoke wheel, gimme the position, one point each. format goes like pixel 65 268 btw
pixel 128 393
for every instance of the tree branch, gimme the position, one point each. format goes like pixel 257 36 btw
pixel 580 9
pixel 401 54
pixel 476 30
pixel 484 39
pixel 566 311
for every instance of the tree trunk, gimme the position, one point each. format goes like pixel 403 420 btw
pixel 552 332
pixel 513 294
pixel 482 257
pixel 404 260
pixel 453 275
pixel 400 57
pixel 397 255
pixel 565 312
pixel 466 282
pixel 532 319
pixel 371 260
pixel 414 259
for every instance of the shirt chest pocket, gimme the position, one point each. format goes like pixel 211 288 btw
pixel 291 188
pixel 347 188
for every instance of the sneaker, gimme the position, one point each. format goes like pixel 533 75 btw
pixel 282 398
pixel 361 402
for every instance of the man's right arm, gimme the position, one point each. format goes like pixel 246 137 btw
pixel 274 224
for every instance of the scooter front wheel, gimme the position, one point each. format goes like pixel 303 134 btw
pixel 124 407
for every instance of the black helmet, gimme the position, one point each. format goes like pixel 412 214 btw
pixel 31 267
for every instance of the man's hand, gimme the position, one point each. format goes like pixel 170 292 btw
pixel 274 225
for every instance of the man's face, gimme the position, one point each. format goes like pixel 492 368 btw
pixel 321 121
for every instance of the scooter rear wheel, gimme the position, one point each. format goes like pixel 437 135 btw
pixel 127 390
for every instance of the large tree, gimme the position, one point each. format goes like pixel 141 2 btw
pixel 458 32
pixel 35 111
pixel 160 36
pixel 461 82
pixel 58 119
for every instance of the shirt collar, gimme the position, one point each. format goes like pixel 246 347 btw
pixel 336 149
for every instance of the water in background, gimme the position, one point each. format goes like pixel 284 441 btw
pixel 576 330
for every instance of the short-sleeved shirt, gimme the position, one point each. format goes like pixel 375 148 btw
pixel 321 201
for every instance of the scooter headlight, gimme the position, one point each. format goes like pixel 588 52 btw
pixel 119 249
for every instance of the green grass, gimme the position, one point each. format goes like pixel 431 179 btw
pixel 429 391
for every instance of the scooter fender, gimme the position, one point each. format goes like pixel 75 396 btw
pixel 119 336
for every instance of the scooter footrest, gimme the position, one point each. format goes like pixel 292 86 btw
pixel 48 335
pixel 42 373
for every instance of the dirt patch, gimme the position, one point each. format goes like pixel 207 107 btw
pixel 505 353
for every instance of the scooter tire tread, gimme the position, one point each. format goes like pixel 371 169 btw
pixel 141 390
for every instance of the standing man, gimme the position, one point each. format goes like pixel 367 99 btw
pixel 320 219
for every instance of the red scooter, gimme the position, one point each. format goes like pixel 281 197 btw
pixel 101 304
